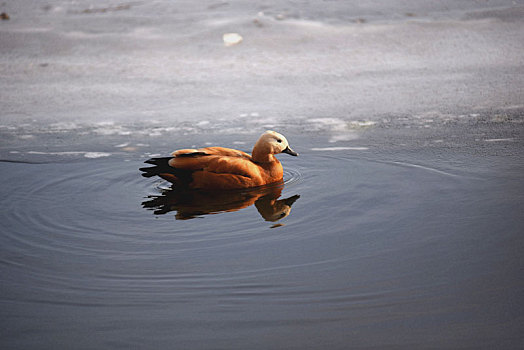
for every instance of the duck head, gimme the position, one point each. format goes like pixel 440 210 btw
pixel 269 144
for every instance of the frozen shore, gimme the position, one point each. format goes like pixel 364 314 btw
pixel 149 75
pixel 139 61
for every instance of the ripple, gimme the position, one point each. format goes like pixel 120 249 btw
pixel 64 209
pixel 84 210
pixel 292 176
pixel 81 209
pixel 426 168
pixel 83 234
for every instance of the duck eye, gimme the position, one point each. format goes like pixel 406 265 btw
pixel 279 141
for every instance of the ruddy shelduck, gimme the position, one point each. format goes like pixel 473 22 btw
pixel 220 168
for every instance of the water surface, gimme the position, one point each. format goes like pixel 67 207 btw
pixel 374 253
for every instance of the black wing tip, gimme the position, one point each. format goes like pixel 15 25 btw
pixel 158 161
pixel 191 155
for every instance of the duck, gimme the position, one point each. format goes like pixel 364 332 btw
pixel 221 168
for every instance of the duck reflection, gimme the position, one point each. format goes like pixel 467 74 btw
pixel 190 204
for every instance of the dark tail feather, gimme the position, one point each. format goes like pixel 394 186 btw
pixel 161 166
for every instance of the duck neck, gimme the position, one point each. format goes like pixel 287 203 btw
pixel 262 156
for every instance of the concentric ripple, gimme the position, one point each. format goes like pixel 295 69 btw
pixel 82 209
pixel 292 176
pixel 78 235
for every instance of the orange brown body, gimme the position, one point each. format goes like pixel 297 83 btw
pixel 220 168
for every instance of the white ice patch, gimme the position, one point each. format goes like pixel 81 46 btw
pixel 343 137
pixel 109 128
pixel 339 148
pixel 362 123
pixel 304 23
pixel 338 125
pixel 122 145
pixel 74 153
pixel 69 153
pixel 63 126
pixel 106 123
pixel 499 140
pixel 334 124
pixel 96 154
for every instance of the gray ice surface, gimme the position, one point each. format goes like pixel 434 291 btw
pixel 89 62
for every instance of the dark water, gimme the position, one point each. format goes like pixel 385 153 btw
pixel 374 254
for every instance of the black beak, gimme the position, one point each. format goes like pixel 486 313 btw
pixel 290 151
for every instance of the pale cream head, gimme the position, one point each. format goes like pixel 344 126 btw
pixel 271 142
